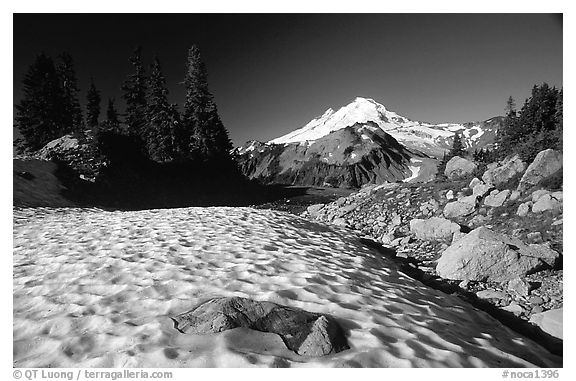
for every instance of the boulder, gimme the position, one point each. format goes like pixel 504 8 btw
pixel 475 181
pixel 314 210
pixel 548 202
pixel 496 198
pixel 503 171
pixel 458 209
pixel 545 164
pixel 550 322
pixel 484 255
pixel 519 286
pixel 433 229
pixel 524 208
pixel 539 193
pixel 458 167
pixel 306 333
pixel 481 189
pixel 515 195
pixel 491 294
pixel 450 194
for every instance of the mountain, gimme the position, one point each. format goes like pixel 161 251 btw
pixel 362 142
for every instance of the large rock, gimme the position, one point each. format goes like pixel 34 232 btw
pixel 524 208
pixel 481 189
pixel 433 229
pixel 550 322
pixel 458 167
pixel 458 209
pixel 546 164
pixel 314 210
pixel 306 333
pixel 496 198
pixel 503 171
pixel 464 206
pixel 483 255
pixel 551 201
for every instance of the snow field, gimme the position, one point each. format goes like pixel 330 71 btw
pixel 97 289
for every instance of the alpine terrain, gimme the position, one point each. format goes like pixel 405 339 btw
pixel 361 143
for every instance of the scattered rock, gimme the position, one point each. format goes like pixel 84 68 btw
pixel 536 300
pixel 545 164
pixel 339 222
pixel 496 198
pixel 490 294
pixel 475 181
pixel 534 237
pixel 481 189
pixel 524 208
pixel 458 209
pixel 515 308
pixel 484 255
pixel 433 229
pixel 503 171
pixel 306 333
pixel 539 193
pixel 314 209
pixel 548 202
pixel 515 195
pixel 550 322
pixel 519 286
pixel 458 167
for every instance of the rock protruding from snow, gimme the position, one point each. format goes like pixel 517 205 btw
pixel 433 229
pixel 306 333
pixel 546 164
pixel 501 172
pixel 458 167
pixel 550 322
pixel 484 255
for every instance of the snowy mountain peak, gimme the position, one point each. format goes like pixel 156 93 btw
pixel 361 110
pixel 432 139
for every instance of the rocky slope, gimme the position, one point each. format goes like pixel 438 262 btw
pixel 497 240
pixel 361 143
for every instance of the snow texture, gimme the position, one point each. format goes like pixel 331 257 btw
pixel 93 288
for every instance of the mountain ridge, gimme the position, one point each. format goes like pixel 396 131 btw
pixel 362 142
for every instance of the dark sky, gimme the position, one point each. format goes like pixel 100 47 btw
pixel 272 73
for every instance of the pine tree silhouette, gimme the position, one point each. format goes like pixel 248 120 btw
pixel 204 134
pixel 93 106
pixel 162 118
pixel 41 115
pixel 135 96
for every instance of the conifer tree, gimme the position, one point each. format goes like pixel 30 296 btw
pixel 111 113
pixel 40 116
pixel 112 123
pixel 205 135
pixel 162 117
pixel 72 111
pixel 135 96
pixel 93 106
pixel 457 147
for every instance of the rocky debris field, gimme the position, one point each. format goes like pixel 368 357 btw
pixel 499 237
